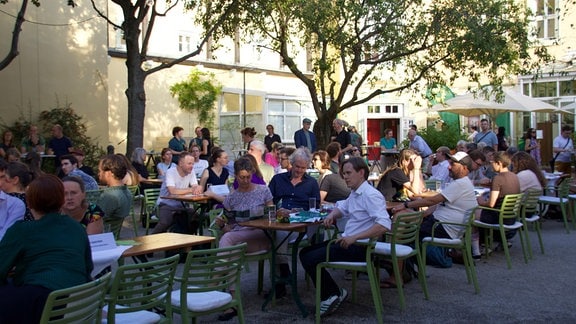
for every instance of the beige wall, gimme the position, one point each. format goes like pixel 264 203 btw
pixel 62 57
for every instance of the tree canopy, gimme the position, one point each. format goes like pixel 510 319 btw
pixel 362 49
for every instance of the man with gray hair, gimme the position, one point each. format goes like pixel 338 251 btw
pixel 342 136
pixel 257 149
pixel 438 165
pixel 419 145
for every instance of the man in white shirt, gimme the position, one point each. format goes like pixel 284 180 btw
pixel 366 209
pixel 563 147
pixel 439 171
pixel 179 181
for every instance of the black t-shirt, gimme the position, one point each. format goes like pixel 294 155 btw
pixel 335 187
pixel 268 140
pixel 392 183
pixel 343 138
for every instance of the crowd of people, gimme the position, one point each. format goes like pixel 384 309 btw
pixel 270 173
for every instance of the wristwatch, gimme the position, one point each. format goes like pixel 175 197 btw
pixel 406 204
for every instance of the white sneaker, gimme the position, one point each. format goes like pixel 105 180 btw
pixel 341 298
pixel 326 306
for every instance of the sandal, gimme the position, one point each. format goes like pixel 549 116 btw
pixel 387 285
pixel 228 315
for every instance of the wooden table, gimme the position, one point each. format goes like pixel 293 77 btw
pixel 270 227
pixel 165 242
pixel 154 182
pixel 189 198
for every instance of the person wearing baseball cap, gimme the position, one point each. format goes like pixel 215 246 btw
pixel 305 137
pixel 455 201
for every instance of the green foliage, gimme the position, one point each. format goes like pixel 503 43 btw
pixel 73 127
pixel 198 94
pixel 447 136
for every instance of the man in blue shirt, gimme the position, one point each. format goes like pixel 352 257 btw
pixel 486 135
pixel 59 145
pixel 304 137
pixel 70 168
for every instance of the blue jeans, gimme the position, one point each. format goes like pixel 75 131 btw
pixel 313 255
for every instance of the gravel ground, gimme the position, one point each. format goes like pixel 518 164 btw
pixel 538 292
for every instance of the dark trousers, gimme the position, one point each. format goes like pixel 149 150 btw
pixel 426 228
pixel 313 255
pixel 22 304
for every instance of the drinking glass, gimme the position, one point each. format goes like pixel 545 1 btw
pixel 271 214
pixel 311 204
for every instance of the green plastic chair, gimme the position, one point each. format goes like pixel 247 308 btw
pixel 366 266
pixel 92 196
pixel 258 256
pixel 78 304
pixel 403 243
pixel 562 200
pixel 463 243
pixel 139 288
pixel 150 208
pixel 135 190
pixel 510 209
pixel 206 278
pixel 530 207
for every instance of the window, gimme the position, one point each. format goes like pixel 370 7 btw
pixel 545 19
pixel 391 109
pixel 184 44
pixel 373 109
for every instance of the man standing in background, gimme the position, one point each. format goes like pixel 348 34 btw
pixel 304 137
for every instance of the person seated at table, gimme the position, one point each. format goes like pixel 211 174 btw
pixel 50 253
pixel 257 150
pixel 180 180
pixel 216 174
pixel 7 142
pixel 366 209
pixel 165 164
pixel 461 146
pixel 285 153
pixel 115 199
pixel 12 155
pixel 138 159
pixel 34 160
pixel 256 176
pixel 76 206
pixel 334 153
pixel 34 142
pixel 504 183
pixel 247 197
pixel 333 189
pixel 79 155
pixel 273 157
pixel 403 180
pixel 70 168
pixel 16 177
pixel 294 188
pixel 199 164
pixel 529 174
pixel 321 163
pixel 438 165
pixel 476 175
pixel 131 178
pixel 488 168
pixel 455 201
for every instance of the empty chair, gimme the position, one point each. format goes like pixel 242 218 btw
pixel 530 215
pixel 139 288
pixel 562 200
pixel 78 304
pixel 150 208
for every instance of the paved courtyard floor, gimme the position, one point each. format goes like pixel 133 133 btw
pixel 542 291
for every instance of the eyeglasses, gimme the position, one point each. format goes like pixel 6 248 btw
pixel 478 164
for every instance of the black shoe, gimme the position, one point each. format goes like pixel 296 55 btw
pixel 280 291
pixel 226 316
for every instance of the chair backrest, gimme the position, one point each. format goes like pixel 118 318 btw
pixel 134 190
pixel 405 229
pixel 150 197
pixel 78 304
pixel 564 189
pixel 530 202
pixel 92 196
pixel 433 184
pixel 510 207
pixel 213 228
pixel 212 270
pixel 142 286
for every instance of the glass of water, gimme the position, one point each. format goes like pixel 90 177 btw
pixel 311 204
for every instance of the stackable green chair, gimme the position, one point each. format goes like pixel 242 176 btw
pixel 562 199
pixel 402 243
pixel 530 215
pixel 78 304
pixel 464 243
pixel 135 190
pixel 206 280
pixel 139 288
pixel 259 256
pixel 150 208
pixel 510 209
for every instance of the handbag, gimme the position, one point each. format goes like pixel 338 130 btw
pixel 553 161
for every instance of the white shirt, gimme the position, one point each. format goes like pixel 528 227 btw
pixel 365 207
pixel 528 180
pixel 173 179
pixel 563 143
pixel 199 167
pixel 440 172
pixel 460 199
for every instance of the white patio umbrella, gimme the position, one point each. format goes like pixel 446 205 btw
pixel 569 108
pixel 469 105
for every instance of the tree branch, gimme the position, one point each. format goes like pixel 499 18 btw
pixel 15 37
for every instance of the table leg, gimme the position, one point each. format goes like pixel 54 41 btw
pixel 292 279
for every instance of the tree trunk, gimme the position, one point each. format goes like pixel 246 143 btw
pixel 323 128
pixel 135 92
